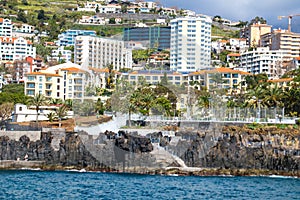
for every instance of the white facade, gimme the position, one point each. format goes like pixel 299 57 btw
pixel 190 43
pixel 5 27
pixel 238 44
pixel 148 4
pixel 22 113
pixel 98 52
pixel 12 49
pixel 65 81
pixel 23 28
pixel 263 60
pixel 92 6
pixel 94 20
pixel 61 54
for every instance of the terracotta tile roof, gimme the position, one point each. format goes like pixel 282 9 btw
pixel 220 70
pixel 281 80
pixel 297 58
pixel 224 41
pixel 43 73
pixel 72 69
pixel 11 40
pixel 245 73
pixel 197 73
pixel 1 20
pixel 234 54
pixel 102 70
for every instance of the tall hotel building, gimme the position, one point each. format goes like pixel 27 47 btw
pixel 190 43
pixel 98 52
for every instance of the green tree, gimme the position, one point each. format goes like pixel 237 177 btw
pixel 258 19
pixel 38 100
pixel 99 107
pixel 110 78
pixel 21 16
pixel 51 116
pixel 61 112
pixel 97 9
pixel 6 110
pixel 273 96
pixel 41 15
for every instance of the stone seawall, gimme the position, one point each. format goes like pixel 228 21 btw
pixel 231 148
pixel 15 135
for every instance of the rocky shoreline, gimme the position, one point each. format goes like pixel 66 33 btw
pixel 230 151
pixel 31 165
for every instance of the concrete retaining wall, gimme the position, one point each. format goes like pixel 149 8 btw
pixel 15 135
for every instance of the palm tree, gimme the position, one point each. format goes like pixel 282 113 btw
pixel 38 100
pixel 51 116
pixel 99 107
pixel 69 103
pixel 163 104
pixel 254 96
pixel 204 101
pixel 61 112
pixel 274 97
pixel 133 104
pixel 55 101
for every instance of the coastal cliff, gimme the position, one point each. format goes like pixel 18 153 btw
pixel 230 150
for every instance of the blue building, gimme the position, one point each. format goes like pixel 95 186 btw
pixel 158 37
pixel 67 38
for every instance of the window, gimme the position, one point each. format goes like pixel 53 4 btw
pixel 40 79
pixel 226 75
pixel 30 85
pixel 30 92
pixel 30 78
pixel 235 75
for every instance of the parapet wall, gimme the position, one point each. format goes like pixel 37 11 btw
pixel 15 135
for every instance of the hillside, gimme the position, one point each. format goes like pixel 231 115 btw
pixel 60 16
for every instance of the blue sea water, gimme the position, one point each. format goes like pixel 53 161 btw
pixel 27 184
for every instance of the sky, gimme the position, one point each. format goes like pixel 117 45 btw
pixel 244 10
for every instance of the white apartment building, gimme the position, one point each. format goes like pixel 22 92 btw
pixel 60 54
pixel 94 20
pixel 190 43
pixel 99 52
pixel 264 60
pixel 23 28
pixel 285 40
pixel 23 113
pixel 65 81
pixel 154 77
pixel 5 27
pixel 92 7
pixel 238 44
pixel 147 4
pixel 12 49
pixel 296 62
